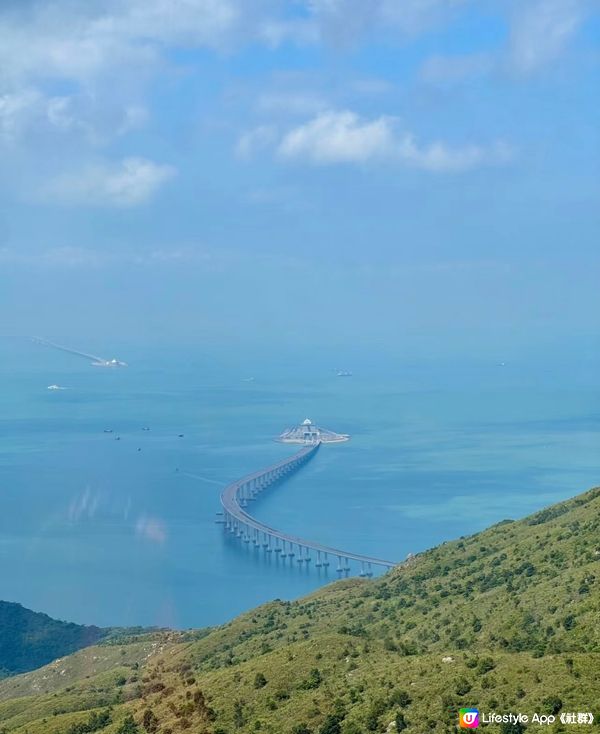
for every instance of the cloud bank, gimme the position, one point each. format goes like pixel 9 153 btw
pixel 127 183
pixel 343 137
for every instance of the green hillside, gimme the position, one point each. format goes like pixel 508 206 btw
pixel 30 639
pixel 505 620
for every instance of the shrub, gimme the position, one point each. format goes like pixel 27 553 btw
pixel 128 726
pixel 553 704
pixel 259 680
pixel 331 725
pixel 313 681
pixel 401 698
pixel 150 721
pixel 401 724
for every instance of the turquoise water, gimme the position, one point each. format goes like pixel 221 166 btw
pixel 94 530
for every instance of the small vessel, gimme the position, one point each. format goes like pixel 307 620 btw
pixel 95 360
pixel 180 435
pixel 108 430
pixel 145 428
pixel 343 373
pixel 56 387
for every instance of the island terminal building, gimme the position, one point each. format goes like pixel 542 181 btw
pixel 308 433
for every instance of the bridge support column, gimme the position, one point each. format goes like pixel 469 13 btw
pixel 362 569
pixel 318 564
pixel 340 568
pixel 369 571
pixel 277 548
pixel 300 559
pixel 326 561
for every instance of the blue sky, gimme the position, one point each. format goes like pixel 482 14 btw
pixel 420 173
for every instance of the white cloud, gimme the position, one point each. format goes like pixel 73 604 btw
pixel 66 40
pixel 541 31
pixel 338 137
pixel 439 156
pixel 345 21
pixel 17 111
pixel 128 183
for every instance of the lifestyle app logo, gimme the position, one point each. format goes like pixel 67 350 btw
pixel 468 718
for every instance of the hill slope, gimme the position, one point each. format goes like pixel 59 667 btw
pixel 506 620
pixel 30 639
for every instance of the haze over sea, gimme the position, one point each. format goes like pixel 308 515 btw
pixel 94 530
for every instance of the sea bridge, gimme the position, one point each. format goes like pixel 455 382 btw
pixel 236 497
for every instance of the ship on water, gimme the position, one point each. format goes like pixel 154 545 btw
pixel 308 433
pixel 95 360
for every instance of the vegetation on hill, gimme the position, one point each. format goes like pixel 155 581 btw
pixel 505 620
pixel 29 639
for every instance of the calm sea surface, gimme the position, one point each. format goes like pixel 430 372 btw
pixel 122 532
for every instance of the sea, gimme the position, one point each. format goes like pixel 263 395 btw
pixel 103 522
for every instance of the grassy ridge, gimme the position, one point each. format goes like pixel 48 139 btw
pixel 506 620
pixel 31 639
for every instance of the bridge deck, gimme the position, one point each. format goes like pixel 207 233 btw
pixel 230 500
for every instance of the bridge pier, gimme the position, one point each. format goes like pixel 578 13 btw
pixel 236 496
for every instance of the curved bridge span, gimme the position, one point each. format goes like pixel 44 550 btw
pixel 236 497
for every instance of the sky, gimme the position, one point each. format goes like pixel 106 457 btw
pixel 419 176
